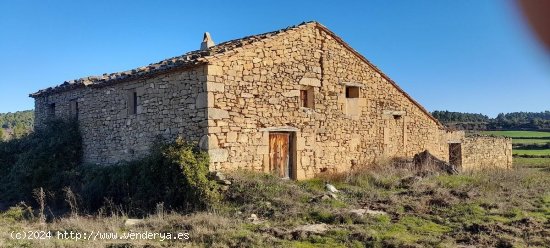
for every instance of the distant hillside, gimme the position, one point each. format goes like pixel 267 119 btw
pixel 15 125
pixel 504 121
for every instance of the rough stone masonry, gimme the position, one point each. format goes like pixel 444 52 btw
pixel 294 102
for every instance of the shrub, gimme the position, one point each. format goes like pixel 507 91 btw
pixel 174 174
pixel 266 195
pixel 47 158
pixel 194 167
pixel 18 212
pixel 323 216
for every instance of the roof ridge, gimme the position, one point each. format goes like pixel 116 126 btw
pixel 188 59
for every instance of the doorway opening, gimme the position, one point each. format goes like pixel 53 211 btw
pixel 455 154
pixel 282 154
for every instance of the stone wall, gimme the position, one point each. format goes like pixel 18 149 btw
pixel 481 152
pixel 168 105
pixel 256 89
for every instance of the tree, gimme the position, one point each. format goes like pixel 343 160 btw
pixel 1 134
pixel 11 120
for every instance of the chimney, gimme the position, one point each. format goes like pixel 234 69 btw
pixel 207 41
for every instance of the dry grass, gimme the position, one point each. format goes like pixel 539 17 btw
pixel 204 229
pixel 480 208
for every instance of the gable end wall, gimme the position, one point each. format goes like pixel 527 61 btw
pixel 261 89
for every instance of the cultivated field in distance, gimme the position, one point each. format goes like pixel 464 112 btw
pixel 529 147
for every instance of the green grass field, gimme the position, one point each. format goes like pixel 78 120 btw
pixel 530 141
pixel 523 137
pixel 532 162
pixel 519 134
pixel 531 152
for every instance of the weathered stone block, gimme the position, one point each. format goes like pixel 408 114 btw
pixel 243 138
pixel 202 100
pixel 215 70
pixel 218 155
pixel 215 87
pixel 260 150
pixel 231 136
pixel 310 81
pixel 305 161
pixel 213 141
pixel 300 143
pixel 217 114
pixel 246 95
pixel 292 93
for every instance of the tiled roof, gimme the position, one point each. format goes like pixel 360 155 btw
pixel 200 57
pixel 186 60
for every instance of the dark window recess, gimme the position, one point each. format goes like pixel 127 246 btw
pixel 306 97
pixel 51 110
pixel 352 92
pixel 397 117
pixel 132 102
pixel 135 99
pixel 303 98
pixel 74 108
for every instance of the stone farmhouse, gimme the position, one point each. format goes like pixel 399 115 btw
pixel 293 102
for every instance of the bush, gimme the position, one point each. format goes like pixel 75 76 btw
pixel 47 158
pixel 19 212
pixel 194 165
pixel 174 174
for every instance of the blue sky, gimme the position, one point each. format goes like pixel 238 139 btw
pixel 469 56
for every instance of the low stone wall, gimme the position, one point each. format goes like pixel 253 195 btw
pixel 481 152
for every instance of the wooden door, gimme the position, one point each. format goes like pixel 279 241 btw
pixel 279 154
pixel 455 154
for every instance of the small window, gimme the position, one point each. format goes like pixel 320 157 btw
pixel 132 102
pixel 352 92
pixel 353 108
pixel 135 99
pixel 397 117
pixel 74 108
pixel 303 98
pixel 306 97
pixel 50 112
